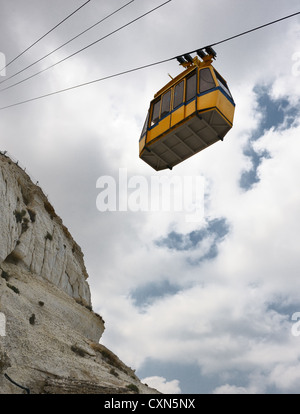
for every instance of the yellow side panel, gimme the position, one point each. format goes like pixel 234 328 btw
pixel 159 129
pixel 142 143
pixel 164 124
pixel 152 134
pixel 209 100
pixel 225 107
pixel 177 115
pixel 190 108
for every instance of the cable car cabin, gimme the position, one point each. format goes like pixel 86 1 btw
pixel 192 112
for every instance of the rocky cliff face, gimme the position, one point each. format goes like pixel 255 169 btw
pixel 49 335
pixel 33 236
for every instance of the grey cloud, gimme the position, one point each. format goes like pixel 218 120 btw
pixel 276 114
pixel 215 230
pixel 148 293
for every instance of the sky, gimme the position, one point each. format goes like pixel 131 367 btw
pixel 199 297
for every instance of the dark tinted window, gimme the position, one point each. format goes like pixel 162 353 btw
pixel 206 80
pixel 191 84
pixel 223 84
pixel 145 125
pixel 165 105
pixel 155 112
pixel 178 94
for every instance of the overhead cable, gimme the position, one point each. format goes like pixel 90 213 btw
pixel 86 83
pixel 145 66
pixel 253 30
pixel 46 34
pixel 86 47
pixel 66 43
pixel 239 34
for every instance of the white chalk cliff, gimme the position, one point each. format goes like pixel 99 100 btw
pixel 49 334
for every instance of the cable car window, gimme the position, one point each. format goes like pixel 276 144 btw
pixel 155 112
pixel 223 84
pixel 165 105
pixel 206 80
pixel 191 89
pixel 145 125
pixel 178 94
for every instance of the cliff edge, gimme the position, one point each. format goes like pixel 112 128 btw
pixel 49 334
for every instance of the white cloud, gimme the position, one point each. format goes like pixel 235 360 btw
pixel 229 316
pixel 162 385
pixel 286 377
pixel 230 389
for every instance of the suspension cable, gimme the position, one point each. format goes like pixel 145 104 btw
pixel 146 66
pixel 86 83
pixel 46 34
pixel 86 47
pixel 253 30
pixel 66 43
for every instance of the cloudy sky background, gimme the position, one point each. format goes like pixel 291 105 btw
pixel 194 307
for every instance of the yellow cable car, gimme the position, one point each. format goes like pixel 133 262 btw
pixel 194 110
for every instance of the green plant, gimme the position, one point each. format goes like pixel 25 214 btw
pixel 32 215
pixel 5 275
pixel 12 258
pixel 50 210
pixel 108 356
pixel 25 224
pixel 19 215
pixel 81 302
pixel 78 351
pixel 100 317
pixel 113 372
pixel 14 288
pixel 32 319
pixel 133 388
pixel 20 218
pixel 48 236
